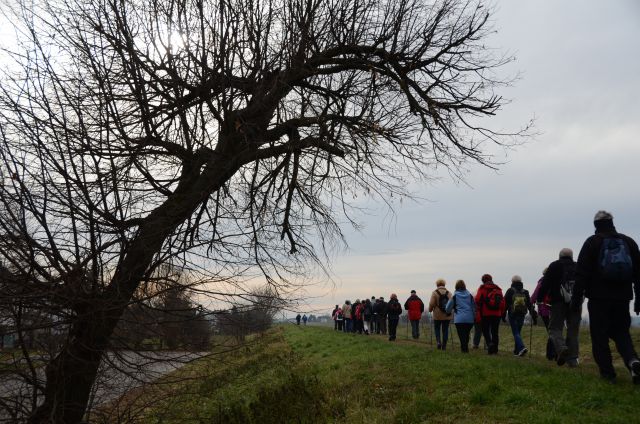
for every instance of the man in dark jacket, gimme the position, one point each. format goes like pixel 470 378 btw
pixel 518 304
pixel 608 272
pixel 382 316
pixel 415 308
pixel 394 310
pixel 557 281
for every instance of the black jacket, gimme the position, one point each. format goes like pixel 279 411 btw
pixel 398 311
pixel 588 280
pixel 508 297
pixel 553 278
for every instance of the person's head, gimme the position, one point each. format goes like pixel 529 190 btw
pixel 381 298
pixel 603 215
pixel 516 279
pixel 413 292
pixel 337 306
pixel 603 221
pixel 394 296
pixel 565 252
pixel 487 278
pixel 544 271
pixel 347 302
pixel 357 300
pixel 460 285
pixel 440 282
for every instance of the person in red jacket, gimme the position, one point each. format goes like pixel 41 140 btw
pixel 415 307
pixel 491 306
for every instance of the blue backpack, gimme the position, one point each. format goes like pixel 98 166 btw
pixel 615 263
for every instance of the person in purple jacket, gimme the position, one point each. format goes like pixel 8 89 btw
pixel 544 312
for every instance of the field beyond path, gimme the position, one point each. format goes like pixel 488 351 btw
pixel 310 374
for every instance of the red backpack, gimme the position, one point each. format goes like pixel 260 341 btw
pixel 493 299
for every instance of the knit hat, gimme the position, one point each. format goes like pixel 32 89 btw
pixel 487 278
pixel 413 292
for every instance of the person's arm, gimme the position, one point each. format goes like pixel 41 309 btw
pixel 421 305
pixel 531 307
pixel 449 306
pixel 584 271
pixel 534 296
pixel 432 302
pixel 508 298
pixel 635 258
pixel 545 285
pixel 406 305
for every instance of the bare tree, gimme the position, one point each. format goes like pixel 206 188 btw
pixel 228 137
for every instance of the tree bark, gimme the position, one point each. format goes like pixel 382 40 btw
pixel 71 375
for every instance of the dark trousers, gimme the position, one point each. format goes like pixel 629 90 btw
pixel 551 351
pixel 415 328
pixel 335 324
pixel 477 334
pixel 382 324
pixel 561 316
pixel 393 325
pixel 464 332
pixel 339 322
pixel 348 325
pixel 490 327
pixel 443 325
pixel 610 319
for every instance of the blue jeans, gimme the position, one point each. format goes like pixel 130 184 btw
pixel 517 321
pixel 415 328
pixel 347 325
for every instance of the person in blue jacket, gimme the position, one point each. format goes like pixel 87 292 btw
pixel 464 308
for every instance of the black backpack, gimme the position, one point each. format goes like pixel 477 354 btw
pixel 614 263
pixel 395 308
pixel 443 299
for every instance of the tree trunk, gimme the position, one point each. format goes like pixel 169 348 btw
pixel 71 375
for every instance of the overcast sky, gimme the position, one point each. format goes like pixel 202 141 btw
pixel 580 78
pixel 579 62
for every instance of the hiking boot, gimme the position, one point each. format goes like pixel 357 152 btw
pixel 439 346
pixel 572 363
pixel 611 379
pixel 562 356
pixel 476 347
pixel 523 351
pixel 634 366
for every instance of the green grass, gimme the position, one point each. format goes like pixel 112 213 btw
pixel 315 375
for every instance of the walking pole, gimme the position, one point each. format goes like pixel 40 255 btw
pixel 453 339
pixel 407 327
pixel 531 335
pixel 430 316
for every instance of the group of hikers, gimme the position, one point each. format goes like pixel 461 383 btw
pixel 607 272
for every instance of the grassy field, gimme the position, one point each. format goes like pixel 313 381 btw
pixel 315 375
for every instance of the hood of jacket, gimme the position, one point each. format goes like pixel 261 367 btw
pixel 604 226
pixel 517 285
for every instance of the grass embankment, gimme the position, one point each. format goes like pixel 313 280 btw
pixel 311 374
